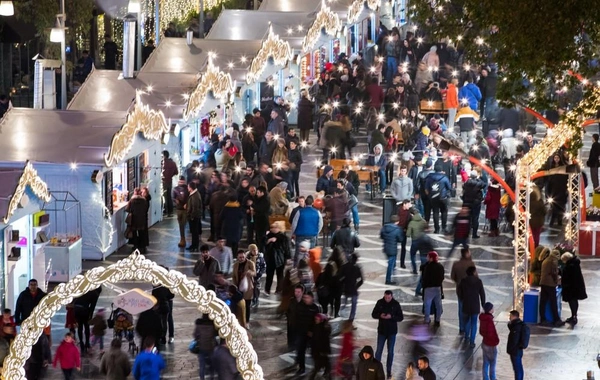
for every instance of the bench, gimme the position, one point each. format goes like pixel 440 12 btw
pixel 366 175
pixel 429 107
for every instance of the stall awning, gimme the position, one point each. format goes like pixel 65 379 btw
pixel 105 91
pixel 13 186
pixel 311 6
pixel 235 24
pixel 60 137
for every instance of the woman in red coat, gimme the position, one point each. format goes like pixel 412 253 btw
pixel 492 210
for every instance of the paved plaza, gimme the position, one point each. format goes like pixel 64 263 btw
pixel 553 353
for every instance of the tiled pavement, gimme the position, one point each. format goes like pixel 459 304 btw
pixel 560 353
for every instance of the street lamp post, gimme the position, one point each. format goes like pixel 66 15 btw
pixel 58 34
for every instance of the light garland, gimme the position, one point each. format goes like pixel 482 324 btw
pixel 273 47
pixel 326 19
pixel 357 7
pixel 214 80
pixel 151 123
pixel 135 267
pixel 180 9
pixel 28 178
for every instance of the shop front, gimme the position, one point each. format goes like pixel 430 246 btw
pixel 23 232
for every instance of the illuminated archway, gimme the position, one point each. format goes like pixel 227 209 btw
pixel 134 267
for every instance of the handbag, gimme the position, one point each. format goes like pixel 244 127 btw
pixel 193 347
pixel 244 284
pixel 111 318
pixel 129 233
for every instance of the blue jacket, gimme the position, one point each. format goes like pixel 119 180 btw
pixel 446 188
pixel 307 222
pixel 391 234
pixel 325 184
pixel 148 366
pixel 472 93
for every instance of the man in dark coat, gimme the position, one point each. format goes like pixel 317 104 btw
pixel 259 126
pixel 573 285
pixel 266 149
pixel 515 343
pixel 138 209
pixel 305 116
pixel 433 277
pixel 163 295
pixel 346 238
pixel 149 324
pixel 305 317
pixel 389 312
pixel 84 311
pixel 326 183
pixel 472 295
pixel 472 197
pixel 194 214
pixel 27 301
pixel 368 367
pixel 353 279
pixel 593 161
pixel 232 218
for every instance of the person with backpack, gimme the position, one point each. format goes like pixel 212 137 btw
pixel 438 189
pixel 422 200
pixel 518 340
pixel 391 234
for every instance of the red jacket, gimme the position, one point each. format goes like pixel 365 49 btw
pixel 377 96
pixel 492 202
pixel 68 355
pixel 487 329
pixel 403 217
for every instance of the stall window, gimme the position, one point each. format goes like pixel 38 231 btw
pixel 119 188
pixel 335 49
pixel 353 43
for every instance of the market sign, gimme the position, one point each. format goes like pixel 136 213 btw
pixel 135 301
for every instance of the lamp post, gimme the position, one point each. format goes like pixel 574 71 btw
pixel 135 6
pixel 58 34
pixel 201 25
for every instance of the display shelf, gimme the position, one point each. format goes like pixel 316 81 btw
pixel 11 244
pixel 40 228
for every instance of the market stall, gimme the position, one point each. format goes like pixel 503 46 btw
pixel 22 231
pixel 69 154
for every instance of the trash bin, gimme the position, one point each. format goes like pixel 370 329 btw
pixel 389 208
pixel 531 301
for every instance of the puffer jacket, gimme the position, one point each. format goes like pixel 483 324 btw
pixel 535 267
pixel 391 234
pixel 205 334
pixel 487 329
pixel 549 275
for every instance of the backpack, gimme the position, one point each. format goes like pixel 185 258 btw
pixel 436 190
pixel 525 334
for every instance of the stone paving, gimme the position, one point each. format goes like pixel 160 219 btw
pixel 560 353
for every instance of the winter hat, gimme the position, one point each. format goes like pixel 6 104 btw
pixel 327 169
pixel 305 244
pixel 488 306
pixel 425 130
pixel 433 255
pixel 181 180
pixel 473 173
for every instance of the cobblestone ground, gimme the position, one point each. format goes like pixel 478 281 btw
pixel 560 353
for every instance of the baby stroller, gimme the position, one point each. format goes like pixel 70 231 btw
pixel 122 324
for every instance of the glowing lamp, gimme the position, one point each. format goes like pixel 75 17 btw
pixel 7 8
pixel 57 33
pixel 134 6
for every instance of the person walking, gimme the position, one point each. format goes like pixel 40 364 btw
pixel 84 311
pixel 232 217
pixel 487 329
pixel 404 216
pixel 180 197
pixel 224 255
pixel 205 336
pixel 593 161
pixel 425 370
pixel 368 367
pixel 353 279
pixel 416 232
pixel 321 347
pixel 148 364
pixel 276 254
pixel 243 277
pixel 68 356
pixel 573 285
pixel 194 214
pixel 206 267
pixel 391 234
pixel 170 170
pixel 115 363
pixel 433 277
pixel 389 312
pixel 472 197
pixel 163 295
pixel 549 280
pixel 345 238
pixel 438 190
pixel 457 274
pixel 291 314
pixel 518 340
pixel 306 226
pixel 462 228
pixel 472 294
pixel 306 312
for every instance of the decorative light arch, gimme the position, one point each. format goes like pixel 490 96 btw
pixel 271 47
pixel 326 19
pixel 150 122
pixel 28 178
pixel 134 267
pixel 214 80
pixel 526 167
pixel 357 7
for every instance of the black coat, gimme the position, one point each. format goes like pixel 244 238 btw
pixel 149 325
pixel 25 304
pixel 262 207
pixel 278 251
pixel 232 218
pixel 592 161
pixel 473 191
pixel 573 285
pixel 321 339
pixel 346 239
pixel 369 369
pixel 138 208
pixel 433 275
pixel 305 317
pixel 305 114
pixel 513 344
pixel 162 295
pixel 88 301
pixel 470 291
pixel 388 327
pixel 353 278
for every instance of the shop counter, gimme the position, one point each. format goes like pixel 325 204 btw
pixel 64 260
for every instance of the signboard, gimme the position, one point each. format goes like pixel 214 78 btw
pixel 135 301
pixel 267 95
pixel 132 180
